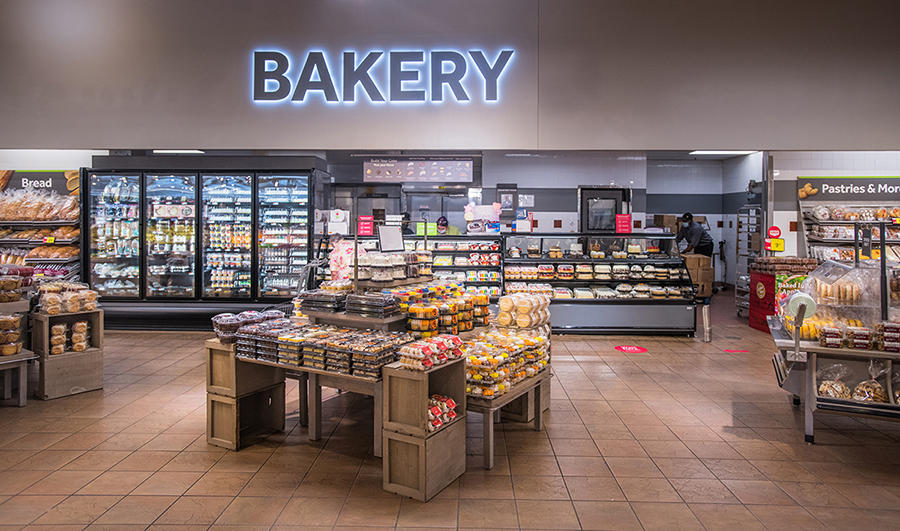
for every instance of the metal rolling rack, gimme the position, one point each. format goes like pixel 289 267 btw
pixel 795 362
pixel 749 222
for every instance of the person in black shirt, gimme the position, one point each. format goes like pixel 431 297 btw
pixel 698 239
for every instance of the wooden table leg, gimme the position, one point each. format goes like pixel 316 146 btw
pixel 315 408
pixel 538 410
pixel 377 424
pixel 303 383
pixel 7 383
pixel 488 449
pixel 23 384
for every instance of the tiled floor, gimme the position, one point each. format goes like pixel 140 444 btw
pixel 685 436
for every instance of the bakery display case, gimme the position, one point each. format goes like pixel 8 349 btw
pixel 838 341
pixel 114 246
pixel 170 237
pixel 474 260
pixel 633 282
pixel 227 237
pixel 282 232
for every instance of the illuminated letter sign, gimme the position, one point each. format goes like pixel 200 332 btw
pixel 392 76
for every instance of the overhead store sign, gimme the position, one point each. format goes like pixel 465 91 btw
pixel 848 188
pixel 393 76
pixel 417 171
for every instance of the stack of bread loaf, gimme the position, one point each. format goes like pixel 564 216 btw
pixel 523 310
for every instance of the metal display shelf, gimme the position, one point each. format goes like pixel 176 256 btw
pixel 749 223
pixel 56 223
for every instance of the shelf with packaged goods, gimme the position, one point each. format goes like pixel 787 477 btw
pixel 674 261
pixel 465 267
pixel 57 223
pixel 577 282
pixel 625 300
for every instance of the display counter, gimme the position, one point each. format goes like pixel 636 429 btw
pixel 626 283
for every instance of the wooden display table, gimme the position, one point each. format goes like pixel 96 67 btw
pixel 356 384
pixel 419 463
pixel 395 323
pixel 71 372
pixel 488 407
pixel 8 364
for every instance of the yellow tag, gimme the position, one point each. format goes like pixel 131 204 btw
pixel 49 239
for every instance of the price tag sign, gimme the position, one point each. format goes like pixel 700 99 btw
pixel 623 223
pixel 49 239
pixel 866 242
pixel 775 244
pixel 774 232
pixel 365 226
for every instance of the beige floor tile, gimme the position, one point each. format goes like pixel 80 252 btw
pixel 369 511
pixel 606 515
pixel 169 441
pixel 81 441
pixel 703 491
pixel 145 460
pixel 776 517
pixel 758 492
pixel 534 514
pixel 815 494
pixel 683 468
pixel 666 516
pixel 725 517
pixel 48 460
pixel 325 486
pixel 14 482
pixel 434 513
pixel 535 465
pixel 97 460
pixel 594 488
pixel 869 496
pixel 647 490
pixel 640 467
pixel 539 488
pixel 78 510
pixel 713 450
pixel 115 482
pixel 125 441
pixel 488 514
pixel 733 469
pixel 62 482
pixel 194 510
pixel 167 483
pixel 136 510
pixel 219 484
pixel 311 512
pixel 584 466
pixel 671 449
pixel 620 448
pixel 192 462
pixel 24 509
pixel 252 511
pixel 575 447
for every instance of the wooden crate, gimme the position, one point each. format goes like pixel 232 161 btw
pixel 522 408
pixel 227 376
pixel 41 323
pixel 406 394
pixel 420 467
pixel 234 423
pixel 70 374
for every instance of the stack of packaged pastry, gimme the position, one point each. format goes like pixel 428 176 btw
pixel 441 411
pixel 66 337
pixel 424 354
pixel 523 310
pixel 28 205
pixel 10 334
pixel 498 359
pixel 66 297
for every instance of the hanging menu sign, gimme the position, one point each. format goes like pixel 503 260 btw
pixel 855 188
pixel 417 171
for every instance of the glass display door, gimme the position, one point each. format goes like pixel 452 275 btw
pixel 283 232
pixel 114 205
pixel 227 239
pixel 170 235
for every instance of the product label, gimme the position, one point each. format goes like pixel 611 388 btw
pixel 855 188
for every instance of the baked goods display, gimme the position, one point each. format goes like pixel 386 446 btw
pixel 441 411
pixel 498 359
pixel 69 337
pixel 424 354
pixel 52 252
pixel 61 296
pixel 828 239
pixel 523 310
pixel 10 334
pixel 29 205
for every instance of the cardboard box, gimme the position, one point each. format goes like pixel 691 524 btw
pixel 706 275
pixel 756 242
pixel 696 262
pixel 704 289
pixel 666 221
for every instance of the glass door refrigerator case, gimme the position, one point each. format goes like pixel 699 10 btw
pixel 170 239
pixel 114 244
pixel 227 238
pixel 283 232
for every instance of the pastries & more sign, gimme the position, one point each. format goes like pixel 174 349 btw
pixel 844 188
pixel 379 76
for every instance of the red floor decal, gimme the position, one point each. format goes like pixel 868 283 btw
pixel 728 350
pixel 631 349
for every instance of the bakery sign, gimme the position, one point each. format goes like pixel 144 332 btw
pixel 61 182
pixel 405 76
pixel 848 188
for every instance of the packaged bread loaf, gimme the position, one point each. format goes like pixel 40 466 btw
pixel 57 349
pixel 79 347
pixel 871 390
pixel 80 326
pixel 831 384
pixel 71 301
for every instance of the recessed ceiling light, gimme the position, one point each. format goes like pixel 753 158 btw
pixel 177 152
pixel 720 152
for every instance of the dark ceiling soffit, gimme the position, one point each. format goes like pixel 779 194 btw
pixel 208 163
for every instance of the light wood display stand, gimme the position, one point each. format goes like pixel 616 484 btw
pixel 488 408
pixel 17 363
pixel 418 463
pixel 71 372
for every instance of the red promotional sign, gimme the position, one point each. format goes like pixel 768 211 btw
pixel 631 349
pixel 365 226
pixel 774 232
pixel 623 223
